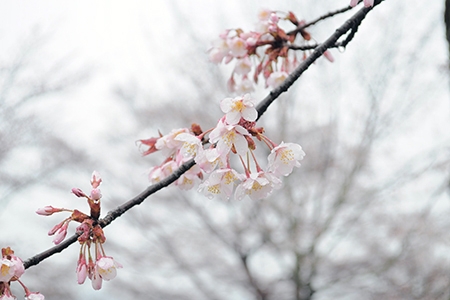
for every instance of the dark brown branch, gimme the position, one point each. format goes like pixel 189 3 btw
pixel 350 24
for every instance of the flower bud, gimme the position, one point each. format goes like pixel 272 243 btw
pixel 48 210
pixel 96 179
pixel 78 192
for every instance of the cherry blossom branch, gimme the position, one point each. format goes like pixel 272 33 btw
pixel 350 25
pixel 112 215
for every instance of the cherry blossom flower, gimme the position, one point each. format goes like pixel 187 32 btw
pixel 220 183
pixel 191 144
pixel 190 178
pixel 19 268
pixel 239 107
pixel 238 47
pixel 7 270
pixel 160 172
pixel 96 280
pixel 168 144
pixel 106 267
pixel 276 78
pixel 284 157
pixel 228 136
pixel 245 86
pixel 208 160
pixel 257 186
pixel 243 66
pixel 81 269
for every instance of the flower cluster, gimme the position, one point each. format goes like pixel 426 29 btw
pixel 11 268
pixel 234 134
pixel 97 268
pixel 269 51
pixel 367 3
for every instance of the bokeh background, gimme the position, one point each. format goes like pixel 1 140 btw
pixel 365 217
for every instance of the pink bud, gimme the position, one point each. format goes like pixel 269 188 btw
pixel 81 270
pixel 61 234
pixel 95 179
pixel 78 192
pixel 48 210
pixel 55 228
pixel 328 56
pixel 19 269
pixel 95 194
pixel 83 230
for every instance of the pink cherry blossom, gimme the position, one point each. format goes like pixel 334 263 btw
pixel 158 173
pixel 208 160
pixel 168 144
pixel 191 144
pixel 257 186
pixel 276 78
pixel 96 280
pixel 106 267
pixel 283 158
pixel 7 270
pixel 19 268
pixel 227 136
pixel 220 183
pixel 238 47
pixel 243 66
pixel 239 107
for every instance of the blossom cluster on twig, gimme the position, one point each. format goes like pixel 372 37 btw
pixel 97 267
pixel 234 134
pixel 270 51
